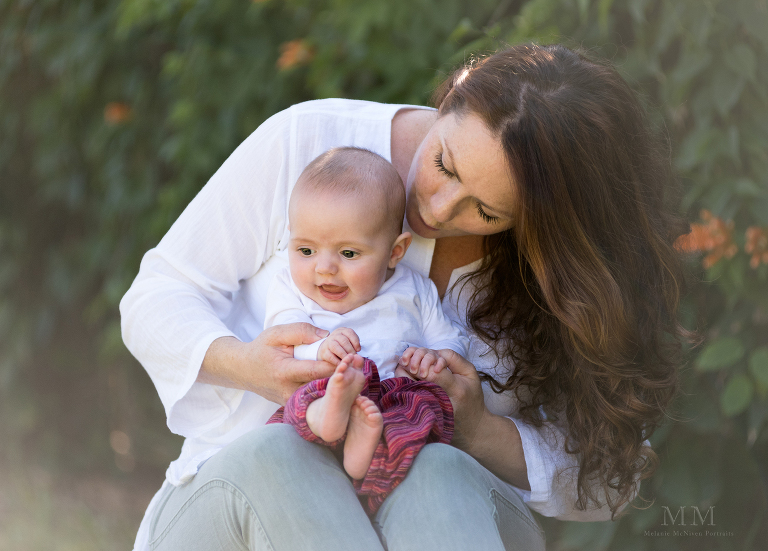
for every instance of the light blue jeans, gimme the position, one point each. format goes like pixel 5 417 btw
pixel 272 490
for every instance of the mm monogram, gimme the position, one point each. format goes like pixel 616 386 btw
pixel 696 513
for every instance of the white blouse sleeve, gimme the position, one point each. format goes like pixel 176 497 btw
pixel 438 330
pixel 185 286
pixel 552 475
pixel 552 472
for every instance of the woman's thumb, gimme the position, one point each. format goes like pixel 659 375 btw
pixel 292 334
pixel 457 364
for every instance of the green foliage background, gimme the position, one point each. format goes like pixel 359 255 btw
pixel 85 191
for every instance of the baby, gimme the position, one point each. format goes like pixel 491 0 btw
pixel 346 243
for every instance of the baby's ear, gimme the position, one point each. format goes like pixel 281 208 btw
pixel 401 245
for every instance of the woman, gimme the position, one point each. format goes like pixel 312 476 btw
pixel 538 199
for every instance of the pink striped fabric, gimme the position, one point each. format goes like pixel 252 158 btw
pixel 415 413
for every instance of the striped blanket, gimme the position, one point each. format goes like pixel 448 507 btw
pixel 415 413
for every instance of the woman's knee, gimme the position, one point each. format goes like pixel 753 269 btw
pixel 442 466
pixel 273 452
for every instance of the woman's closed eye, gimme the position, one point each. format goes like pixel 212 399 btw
pixel 485 216
pixel 441 167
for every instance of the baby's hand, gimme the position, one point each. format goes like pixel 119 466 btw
pixel 421 363
pixel 338 344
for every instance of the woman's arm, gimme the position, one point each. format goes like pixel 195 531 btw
pixel 266 365
pixel 173 314
pixel 491 439
pixel 531 458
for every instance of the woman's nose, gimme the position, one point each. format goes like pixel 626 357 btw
pixel 445 201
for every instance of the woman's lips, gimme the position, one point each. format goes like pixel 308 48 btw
pixel 333 292
pixel 425 224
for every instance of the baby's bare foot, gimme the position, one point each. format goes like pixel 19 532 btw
pixel 327 417
pixel 363 434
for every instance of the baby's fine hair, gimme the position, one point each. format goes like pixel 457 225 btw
pixel 355 170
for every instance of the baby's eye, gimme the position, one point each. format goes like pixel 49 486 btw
pixel 305 251
pixel 348 254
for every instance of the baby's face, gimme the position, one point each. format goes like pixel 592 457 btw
pixel 339 250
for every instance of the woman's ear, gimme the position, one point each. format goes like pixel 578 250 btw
pixel 399 247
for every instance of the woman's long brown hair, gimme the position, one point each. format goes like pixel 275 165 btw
pixel 581 296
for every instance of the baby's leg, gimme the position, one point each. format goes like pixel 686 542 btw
pixel 363 434
pixel 327 417
pixel 414 414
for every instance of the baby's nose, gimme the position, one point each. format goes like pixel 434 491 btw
pixel 325 266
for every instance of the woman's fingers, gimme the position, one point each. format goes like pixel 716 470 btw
pixel 400 371
pixel 458 364
pixel 294 373
pixel 462 385
pixel 273 349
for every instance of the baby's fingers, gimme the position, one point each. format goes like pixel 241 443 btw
pixel 405 358
pixel 427 363
pixel 346 343
pixel 340 347
pixel 415 363
pixel 326 354
pixel 352 339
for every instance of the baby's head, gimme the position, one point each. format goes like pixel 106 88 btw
pixel 346 219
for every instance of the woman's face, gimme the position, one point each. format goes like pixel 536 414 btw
pixel 459 183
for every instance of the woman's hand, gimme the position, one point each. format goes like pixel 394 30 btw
pixel 460 382
pixel 491 439
pixel 265 365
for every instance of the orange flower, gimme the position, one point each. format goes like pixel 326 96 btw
pixel 714 237
pixel 295 52
pixel 116 112
pixel 757 245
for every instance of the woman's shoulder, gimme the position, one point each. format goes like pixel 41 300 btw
pixel 348 108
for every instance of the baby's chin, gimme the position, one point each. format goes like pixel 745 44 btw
pixel 339 307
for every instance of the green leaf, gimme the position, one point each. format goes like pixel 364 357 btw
pixel 720 353
pixel 726 90
pixel 461 30
pixel 759 210
pixel 637 9
pixel 698 145
pixel 603 10
pixel 745 187
pixel 595 536
pixel 758 365
pixel 737 395
pixel 692 61
pixel 742 61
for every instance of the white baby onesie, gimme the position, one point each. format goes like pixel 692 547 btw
pixel 406 312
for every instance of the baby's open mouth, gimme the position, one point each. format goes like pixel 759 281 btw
pixel 333 292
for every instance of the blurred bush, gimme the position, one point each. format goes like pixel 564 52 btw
pixel 113 114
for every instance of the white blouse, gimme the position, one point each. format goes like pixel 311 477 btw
pixel 208 278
